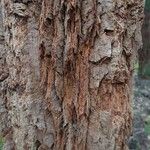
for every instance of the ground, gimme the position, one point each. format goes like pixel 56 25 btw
pixel 140 140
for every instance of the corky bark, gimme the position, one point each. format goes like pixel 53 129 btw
pixel 70 72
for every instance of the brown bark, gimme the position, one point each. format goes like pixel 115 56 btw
pixel 70 73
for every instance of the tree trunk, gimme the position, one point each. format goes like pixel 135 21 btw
pixel 70 73
pixel 144 53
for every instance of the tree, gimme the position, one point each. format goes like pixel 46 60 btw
pixel 70 73
pixel 4 73
pixel 144 53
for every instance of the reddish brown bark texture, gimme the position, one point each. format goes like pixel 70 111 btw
pixel 70 73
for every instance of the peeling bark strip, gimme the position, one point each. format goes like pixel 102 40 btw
pixel 70 73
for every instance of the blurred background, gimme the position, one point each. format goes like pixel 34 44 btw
pixel 140 140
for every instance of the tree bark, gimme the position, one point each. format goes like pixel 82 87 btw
pixel 70 73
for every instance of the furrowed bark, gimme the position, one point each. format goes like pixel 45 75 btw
pixel 70 72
